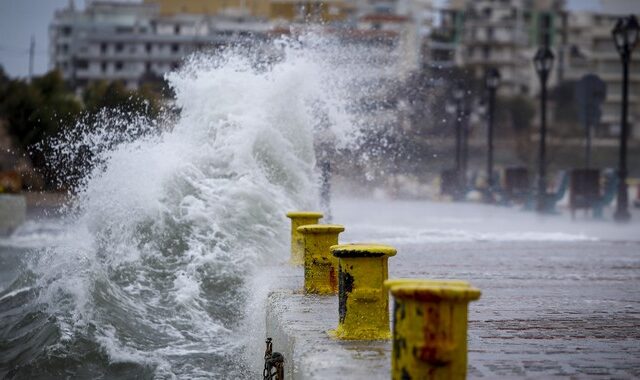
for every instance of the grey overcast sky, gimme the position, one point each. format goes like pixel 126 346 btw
pixel 20 19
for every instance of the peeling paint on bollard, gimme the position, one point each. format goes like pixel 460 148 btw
pixel 298 219
pixel 363 302
pixel 320 266
pixel 430 328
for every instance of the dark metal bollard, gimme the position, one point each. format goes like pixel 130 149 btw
pixel 584 189
pixel 363 303
pixel 516 184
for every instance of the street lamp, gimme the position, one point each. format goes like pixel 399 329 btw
pixel 492 80
pixel 543 62
pixel 456 109
pixel 458 95
pixel 625 36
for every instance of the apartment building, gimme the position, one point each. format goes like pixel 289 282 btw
pixel 131 41
pixel 506 33
pixel 493 33
pixel 590 50
pixel 290 10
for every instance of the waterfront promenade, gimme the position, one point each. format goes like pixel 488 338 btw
pixel 560 298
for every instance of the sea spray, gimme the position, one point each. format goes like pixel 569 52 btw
pixel 173 217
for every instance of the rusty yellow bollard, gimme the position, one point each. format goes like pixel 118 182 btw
pixel 430 328
pixel 320 266
pixel 300 218
pixel 363 303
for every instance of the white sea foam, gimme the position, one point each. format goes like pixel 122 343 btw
pixel 407 235
pixel 14 293
pixel 166 228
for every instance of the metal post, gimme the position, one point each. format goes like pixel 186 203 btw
pixel 325 188
pixel 320 266
pixel 543 61
pixel 363 302
pixel 300 218
pixel 542 183
pixel 430 328
pixel 32 49
pixel 587 153
pixel 464 153
pixel 492 99
pixel 622 208
pixel 458 137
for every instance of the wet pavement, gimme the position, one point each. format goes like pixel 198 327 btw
pixel 560 298
pixel 547 309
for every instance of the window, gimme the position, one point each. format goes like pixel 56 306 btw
pixel 66 30
pixel 124 30
pixel 103 66
pixel 119 66
pixel 176 29
pixel 82 64
pixel 174 48
pixel 103 48
pixel 147 66
pixel 148 47
pixel 119 47
pixel 486 52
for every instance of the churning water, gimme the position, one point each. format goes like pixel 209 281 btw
pixel 147 274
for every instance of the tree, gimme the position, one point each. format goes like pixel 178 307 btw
pixel 116 97
pixel 37 111
pixel 4 81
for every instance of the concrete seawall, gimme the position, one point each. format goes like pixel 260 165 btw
pixel 298 324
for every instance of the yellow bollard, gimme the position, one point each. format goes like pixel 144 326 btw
pixel 430 328
pixel 300 218
pixel 363 303
pixel 320 266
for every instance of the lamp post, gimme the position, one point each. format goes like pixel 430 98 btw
pixel 458 95
pixel 625 36
pixel 456 109
pixel 492 80
pixel 543 61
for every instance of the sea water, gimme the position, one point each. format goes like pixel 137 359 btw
pixel 149 273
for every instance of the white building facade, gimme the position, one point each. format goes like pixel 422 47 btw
pixel 130 41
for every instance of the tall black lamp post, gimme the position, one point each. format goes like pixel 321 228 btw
pixel 492 80
pixel 625 36
pixel 458 95
pixel 543 61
